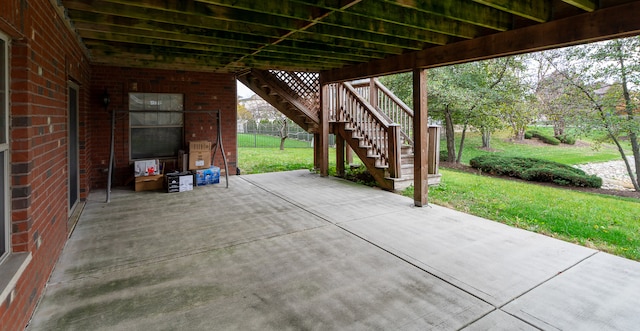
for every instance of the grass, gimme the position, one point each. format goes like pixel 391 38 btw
pixel 261 160
pixel 251 140
pixel 565 154
pixel 603 222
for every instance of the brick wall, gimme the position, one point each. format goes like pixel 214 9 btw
pixel 201 92
pixel 44 57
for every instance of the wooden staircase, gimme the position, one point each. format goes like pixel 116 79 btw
pixel 289 93
pixel 364 114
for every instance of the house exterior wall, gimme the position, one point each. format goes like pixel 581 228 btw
pixel 201 92
pixel 44 56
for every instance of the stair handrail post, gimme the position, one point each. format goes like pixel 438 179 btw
pixel 373 94
pixel 394 151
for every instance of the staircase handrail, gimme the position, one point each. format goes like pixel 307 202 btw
pixel 389 104
pixel 380 135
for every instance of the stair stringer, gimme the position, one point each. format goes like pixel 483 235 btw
pixel 379 173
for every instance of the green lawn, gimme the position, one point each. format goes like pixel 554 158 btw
pixel 604 222
pixel 566 154
pixel 261 160
pixel 251 140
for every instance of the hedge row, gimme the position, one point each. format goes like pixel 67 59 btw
pixel 535 170
pixel 544 137
pixel 566 139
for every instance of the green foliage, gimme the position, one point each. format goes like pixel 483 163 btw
pixel 528 134
pixel 444 155
pixel 551 140
pixel 603 222
pixel 360 175
pixel 567 139
pixel 535 170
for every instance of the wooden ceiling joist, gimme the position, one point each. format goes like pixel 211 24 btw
pixel 613 22
pixel 343 38
pixel 536 10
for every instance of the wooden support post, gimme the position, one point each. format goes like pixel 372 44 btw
pixel 349 155
pixel 434 149
pixel 316 152
pixel 420 140
pixel 394 151
pixel 324 131
pixel 340 155
pixel 373 93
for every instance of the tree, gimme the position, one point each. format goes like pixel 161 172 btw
pixel 467 95
pixel 263 111
pixel 603 74
pixel 243 113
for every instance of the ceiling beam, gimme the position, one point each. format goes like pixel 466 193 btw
pixel 537 10
pixel 163 52
pixel 461 10
pixel 386 12
pixel 107 10
pixel 124 25
pixel 613 22
pixel 587 5
pixel 156 57
pixel 194 42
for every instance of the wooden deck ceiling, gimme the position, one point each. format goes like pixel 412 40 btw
pixel 344 39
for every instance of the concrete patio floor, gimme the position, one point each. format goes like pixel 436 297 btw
pixel 294 251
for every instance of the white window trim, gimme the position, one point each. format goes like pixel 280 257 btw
pixel 4 147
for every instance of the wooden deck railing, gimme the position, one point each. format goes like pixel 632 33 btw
pixel 378 134
pixel 388 104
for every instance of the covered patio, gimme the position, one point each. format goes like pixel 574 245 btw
pixel 296 251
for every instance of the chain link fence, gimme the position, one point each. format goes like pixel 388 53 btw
pixel 267 134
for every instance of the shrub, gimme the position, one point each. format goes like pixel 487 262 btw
pixel 535 170
pixel 444 155
pixel 546 138
pixel 542 136
pixel 566 139
pixel 528 134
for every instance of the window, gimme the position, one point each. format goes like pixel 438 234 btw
pixel 4 148
pixel 156 122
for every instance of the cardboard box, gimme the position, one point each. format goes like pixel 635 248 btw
pixel 179 182
pixel 199 160
pixel 208 176
pixel 141 167
pixel 149 183
pixel 199 146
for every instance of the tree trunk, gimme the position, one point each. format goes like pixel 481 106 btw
pixel 486 138
pixel 464 131
pixel 283 134
pixel 519 135
pixel 450 134
pixel 633 137
pixel 558 127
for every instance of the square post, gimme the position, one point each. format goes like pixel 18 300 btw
pixel 340 144
pixel 323 152
pixel 421 137
pixel 394 148
pixel 316 152
pixel 373 93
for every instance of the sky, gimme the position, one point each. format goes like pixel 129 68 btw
pixel 243 91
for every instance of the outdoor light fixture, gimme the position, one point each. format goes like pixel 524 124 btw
pixel 105 99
